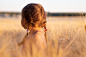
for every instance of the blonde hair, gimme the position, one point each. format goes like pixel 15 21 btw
pixel 34 14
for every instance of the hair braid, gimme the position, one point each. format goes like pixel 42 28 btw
pixel 19 44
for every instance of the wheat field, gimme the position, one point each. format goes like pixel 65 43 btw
pixel 66 38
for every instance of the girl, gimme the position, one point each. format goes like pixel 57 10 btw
pixel 34 20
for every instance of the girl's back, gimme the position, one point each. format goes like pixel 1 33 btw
pixel 34 45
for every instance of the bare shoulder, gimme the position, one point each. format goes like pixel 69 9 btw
pixel 27 41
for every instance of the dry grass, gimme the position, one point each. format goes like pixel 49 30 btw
pixel 65 38
pixel 85 27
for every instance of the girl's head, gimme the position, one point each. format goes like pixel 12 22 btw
pixel 33 15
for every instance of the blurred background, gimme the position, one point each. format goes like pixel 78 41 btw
pixel 66 24
pixel 12 8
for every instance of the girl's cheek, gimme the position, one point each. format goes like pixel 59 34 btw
pixel 22 23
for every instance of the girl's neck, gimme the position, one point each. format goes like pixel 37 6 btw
pixel 34 29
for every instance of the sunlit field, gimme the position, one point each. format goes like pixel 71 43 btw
pixel 66 37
